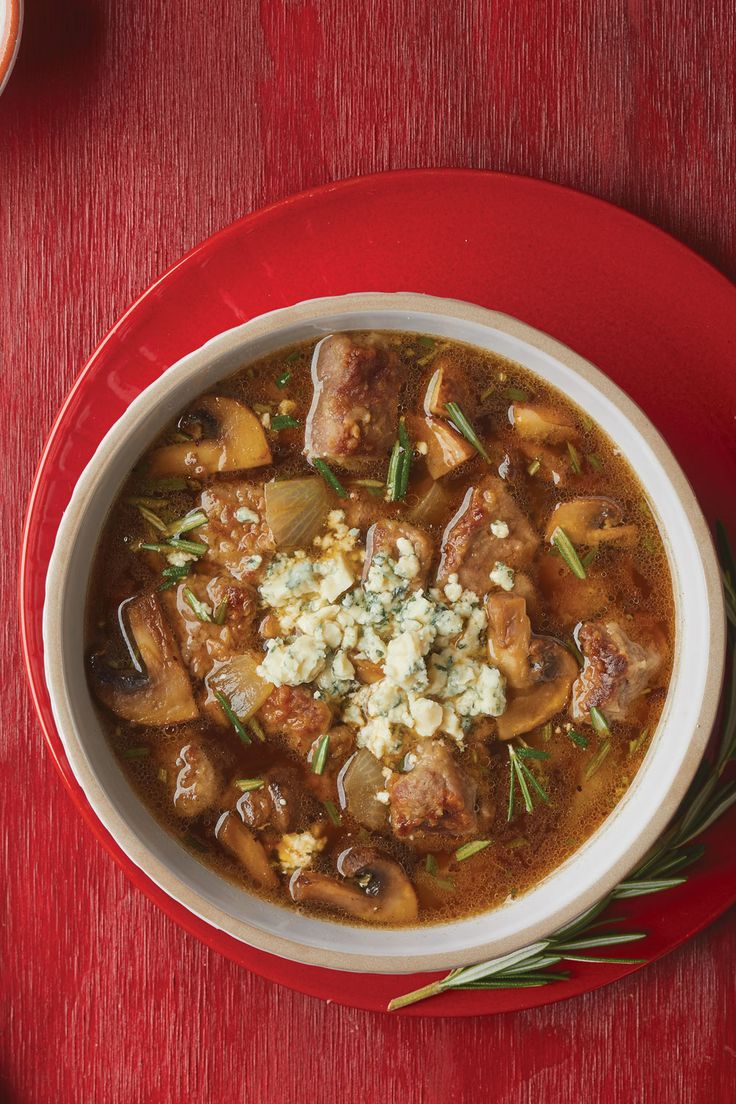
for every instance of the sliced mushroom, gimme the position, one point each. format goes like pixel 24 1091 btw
pixel 592 521
pixel 375 888
pixel 232 439
pixel 536 422
pixel 160 693
pixel 537 666
pixel 553 672
pixel 249 852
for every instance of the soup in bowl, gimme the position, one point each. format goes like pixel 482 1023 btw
pixel 377 639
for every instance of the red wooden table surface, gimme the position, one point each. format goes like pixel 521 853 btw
pixel 129 131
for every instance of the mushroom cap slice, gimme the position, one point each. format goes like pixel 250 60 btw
pixel 159 695
pixel 592 521
pixel 554 671
pixel 375 888
pixel 240 442
pixel 249 852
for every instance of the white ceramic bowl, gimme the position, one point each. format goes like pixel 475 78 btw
pixel 604 859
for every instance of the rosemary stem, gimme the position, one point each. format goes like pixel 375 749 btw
pixel 432 990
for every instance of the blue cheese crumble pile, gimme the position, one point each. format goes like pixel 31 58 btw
pixel 427 648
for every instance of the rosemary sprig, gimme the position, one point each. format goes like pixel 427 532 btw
pixel 567 550
pixel 661 869
pixel 522 776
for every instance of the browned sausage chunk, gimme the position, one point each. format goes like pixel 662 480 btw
pixel 191 772
pixel 292 713
pixel 204 642
pixel 236 532
pixel 436 794
pixel 470 549
pixel 354 413
pixel 616 671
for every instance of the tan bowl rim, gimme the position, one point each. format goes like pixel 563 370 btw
pixel 289 948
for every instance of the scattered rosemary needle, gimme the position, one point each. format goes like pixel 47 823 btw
pixel 463 426
pixel 469 849
pixel 201 610
pixel 330 478
pixel 321 753
pixel 397 477
pixel 578 738
pixel 518 394
pixel 283 421
pixel 567 550
pixel 574 458
pixel 220 612
pixel 333 813
pixel 599 721
pixel 283 379
pixel 597 760
pixel 152 519
pixel 193 520
pixel 135 753
pixel 232 717
pixel 247 785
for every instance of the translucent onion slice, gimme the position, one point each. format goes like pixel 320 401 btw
pixel 238 679
pixel 431 509
pixel 360 781
pixel 296 510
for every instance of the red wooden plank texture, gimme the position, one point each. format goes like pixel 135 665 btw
pixel 130 130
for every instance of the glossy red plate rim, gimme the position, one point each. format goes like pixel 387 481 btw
pixel 353 990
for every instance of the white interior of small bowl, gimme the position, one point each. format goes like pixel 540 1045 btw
pixel 602 860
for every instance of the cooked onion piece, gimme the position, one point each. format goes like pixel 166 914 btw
pixel 237 679
pixel 296 510
pixel 361 780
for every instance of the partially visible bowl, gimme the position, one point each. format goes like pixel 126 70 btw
pixel 605 858
pixel 11 23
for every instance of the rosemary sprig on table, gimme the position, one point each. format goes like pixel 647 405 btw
pixel 661 869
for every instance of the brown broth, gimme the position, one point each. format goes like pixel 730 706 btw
pixel 531 845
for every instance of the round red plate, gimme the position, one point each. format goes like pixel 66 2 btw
pixel 650 313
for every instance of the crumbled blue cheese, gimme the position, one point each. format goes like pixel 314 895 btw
pixel 292 664
pixel 453 589
pixel 503 576
pixel 243 513
pixel 378 737
pixel 252 563
pixel 499 529
pixel 427 716
pixel 407 565
pixel 404 663
pixel 298 849
pixel 180 559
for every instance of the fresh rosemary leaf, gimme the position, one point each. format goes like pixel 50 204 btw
pixel 599 722
pixel 173 575
pixel 595 461
pixel 283 379
pixel 135 753
pixel 190 521
pixel 201 610
pixel 588 558
pixel 567 550
pixel 220 612
pixel 405 464
pixel 469 849
pixel 463 426
pixel 532 753
pixel 152 519
pixel 598 758
pixel 283 421
pixel 292 357
pixel 333 813
pixel 330 478
pixel 321 753
pixel 430 864
pixel 232 717
pixel 151 503
pixel 577 738
pixel 256 729
pixel 518 394
pixel 425 343
pixel 246 785
pixel 634 745
pixel 195 548
pixel 574 458
pixel 534 467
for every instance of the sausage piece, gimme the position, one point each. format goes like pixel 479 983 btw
pixel 354 414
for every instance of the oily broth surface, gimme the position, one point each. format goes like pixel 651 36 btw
pixel 531 845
